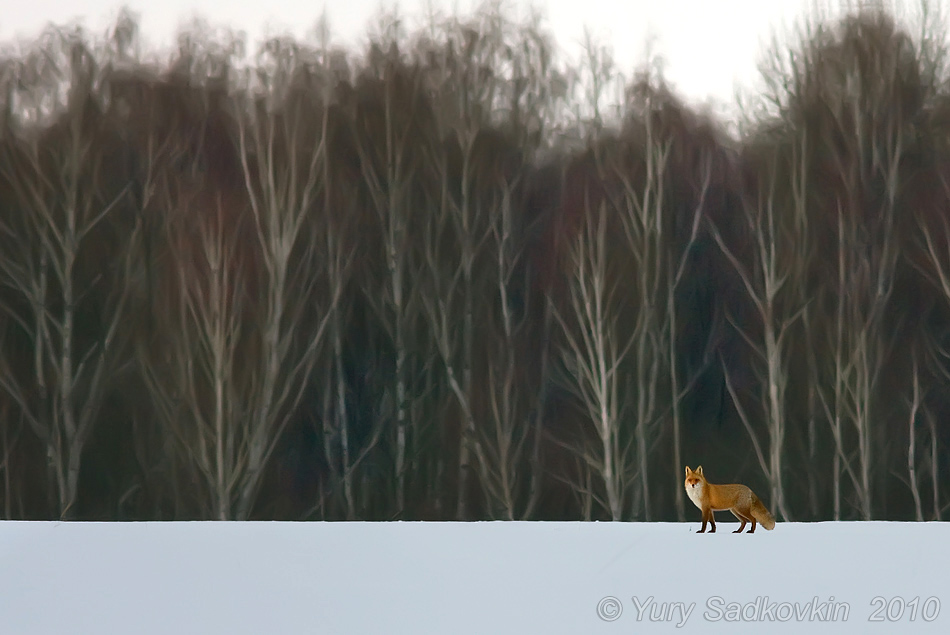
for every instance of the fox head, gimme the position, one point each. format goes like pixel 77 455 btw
pixel 694 478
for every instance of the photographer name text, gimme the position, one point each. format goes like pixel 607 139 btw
pixel 766 609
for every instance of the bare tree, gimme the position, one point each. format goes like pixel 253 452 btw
pixel 454 299
pixel 480 116
pixel 595 348
pixel 63 208
pixel 595 342
pixel 284 161
pixel 915 407
pixel 773 283
pixel 453 250
pixel 934 467
pixel 339 215
pixel 387 168
pixel 9 439
pixel 195 379
pixel 935 238
pixel 642 211
pixel 634 192
pixel 660 257
pixel 676 269
pixel 852 92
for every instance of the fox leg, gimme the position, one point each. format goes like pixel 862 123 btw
pixel 741 518
pixel 708 517
pixel 744 518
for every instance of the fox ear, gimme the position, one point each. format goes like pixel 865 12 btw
pixel 699 470
pixel 687 470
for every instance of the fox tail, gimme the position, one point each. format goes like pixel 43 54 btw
pixel 761 514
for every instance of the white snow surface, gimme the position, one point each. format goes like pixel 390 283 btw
pixel 458 578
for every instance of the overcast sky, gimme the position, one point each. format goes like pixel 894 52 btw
pixel 708 45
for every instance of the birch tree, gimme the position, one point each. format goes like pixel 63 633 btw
pixel 914 408
pixel 933 233
pixel 866 276
pixel 284 162
pixel 480 116
pixel 385 129
pixel 195 378
pixel 772 282
pixel 450 308
pixel 852 92
pixel 594 350
pixel 65 201
pixel 659 254
pixel 642 210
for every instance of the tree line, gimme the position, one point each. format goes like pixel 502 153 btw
pixel 455 277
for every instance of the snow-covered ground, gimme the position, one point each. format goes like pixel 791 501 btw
pixel 459 578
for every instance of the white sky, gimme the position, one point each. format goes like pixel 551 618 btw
pixel 708 45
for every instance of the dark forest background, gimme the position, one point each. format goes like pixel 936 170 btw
pixel 451 276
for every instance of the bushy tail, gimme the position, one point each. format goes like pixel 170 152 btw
pixel 761 514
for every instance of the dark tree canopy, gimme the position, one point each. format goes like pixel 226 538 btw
pixel 445 278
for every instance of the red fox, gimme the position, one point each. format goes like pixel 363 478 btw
pixel 738 499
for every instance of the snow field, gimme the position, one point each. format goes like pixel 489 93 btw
pixel 484 578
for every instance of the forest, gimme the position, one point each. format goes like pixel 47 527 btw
pixel 456 276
